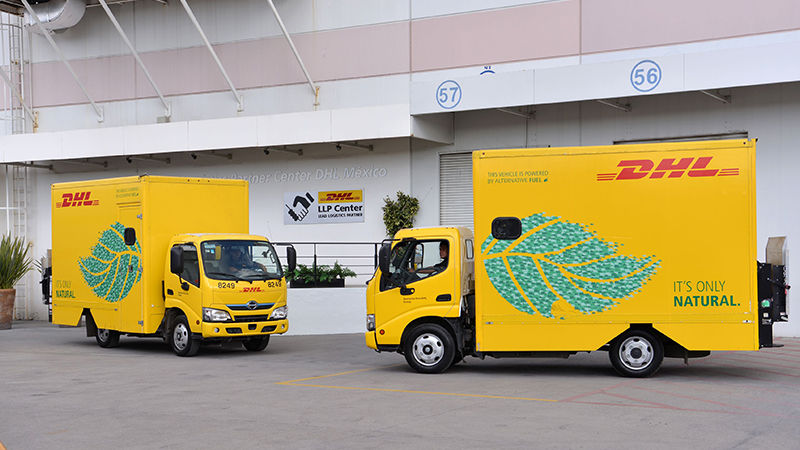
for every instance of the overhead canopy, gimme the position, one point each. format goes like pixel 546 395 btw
pixel 338 125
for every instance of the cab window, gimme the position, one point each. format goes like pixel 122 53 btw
pixel 412 261
pixel 191 265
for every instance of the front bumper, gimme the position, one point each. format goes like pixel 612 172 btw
pixel 370 339
pixel 212 330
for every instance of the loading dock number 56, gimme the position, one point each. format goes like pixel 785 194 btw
pixel 448 94
pixel 645 75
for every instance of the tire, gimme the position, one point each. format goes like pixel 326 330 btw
pixel 256 344
pixel 429 348
pixel 180 338
pixel 107 338
pixel 457 359
pixel 636 354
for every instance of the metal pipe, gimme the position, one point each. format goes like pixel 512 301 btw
pixel 97 109
pixel 718 97
pixel 314 88
pixel 8 204
pixel 625 108
pixel 23 164
pixel 515 113
pixel 167 106
pixel 239 101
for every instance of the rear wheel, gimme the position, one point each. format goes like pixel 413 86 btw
pixel 181 338
pixel 107 338
pixel 256 344
pixel 429 348
pixel 636 353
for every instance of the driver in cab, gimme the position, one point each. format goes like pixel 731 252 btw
pixel 440 266
pixel 237 260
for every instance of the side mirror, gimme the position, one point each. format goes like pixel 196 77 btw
pixel 383 258
pixel 176 260
pixel 291 258
pixel 130 236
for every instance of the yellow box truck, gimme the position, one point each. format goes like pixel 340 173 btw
pixel 642 250
pixel 165 257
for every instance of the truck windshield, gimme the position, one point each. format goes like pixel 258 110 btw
pixel 240 260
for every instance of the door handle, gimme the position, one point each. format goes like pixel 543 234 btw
pixel 406 291
pixel 444 298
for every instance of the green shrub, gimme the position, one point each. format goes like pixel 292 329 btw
pixel 399 214
pixel 305 273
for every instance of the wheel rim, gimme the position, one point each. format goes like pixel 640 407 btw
pixel 103 334
pixel 180 337
pixel 636 353
pixel 428 349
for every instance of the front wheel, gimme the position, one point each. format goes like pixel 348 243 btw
pixel 429 348
pixel 181 338
pixel 637 354
pixel 256 344
pixel 107 338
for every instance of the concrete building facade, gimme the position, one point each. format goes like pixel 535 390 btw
pixel 406 89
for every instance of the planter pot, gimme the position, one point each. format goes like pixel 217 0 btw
pixel 6 308
pixel 318 284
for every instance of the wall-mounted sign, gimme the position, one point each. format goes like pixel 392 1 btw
pixel 645 75
pixel 344 206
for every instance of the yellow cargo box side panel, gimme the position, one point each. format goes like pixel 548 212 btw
pixel 176 206
pixel 660 234
pixel 120 284
pixel 92 266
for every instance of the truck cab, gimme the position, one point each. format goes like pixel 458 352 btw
pixel 421 295
pixel 223 287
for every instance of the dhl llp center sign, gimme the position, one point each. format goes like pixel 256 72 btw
pixel 323 207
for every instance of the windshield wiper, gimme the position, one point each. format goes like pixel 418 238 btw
pixel 225 274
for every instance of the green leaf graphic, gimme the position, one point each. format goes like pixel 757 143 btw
pixel 555 260
pixel 106 270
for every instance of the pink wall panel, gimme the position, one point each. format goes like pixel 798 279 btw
pixel 621 24
pixel 357 52
pixel 106 79
pixel 330 55
pixel 513 34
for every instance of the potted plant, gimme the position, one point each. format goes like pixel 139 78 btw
pixel 304 276
pixel 14 264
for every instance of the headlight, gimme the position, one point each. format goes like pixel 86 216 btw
pixel 279 313
pixel 370 322
pixel 215 315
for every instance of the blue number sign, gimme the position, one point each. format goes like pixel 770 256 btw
pixel 448 94
pixel 645 76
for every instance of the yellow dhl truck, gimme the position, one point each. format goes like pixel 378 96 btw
pixel 644 251
pixel 165 257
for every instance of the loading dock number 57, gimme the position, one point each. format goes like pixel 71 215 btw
pixel 645 75
pixel 448 94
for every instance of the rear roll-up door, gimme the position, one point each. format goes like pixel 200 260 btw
pixel 455 189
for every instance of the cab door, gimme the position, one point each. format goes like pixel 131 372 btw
pixel 420 283
pixel 185 289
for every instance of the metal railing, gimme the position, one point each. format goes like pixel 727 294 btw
pixel 360 257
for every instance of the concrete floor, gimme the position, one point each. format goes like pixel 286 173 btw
pixel 58 389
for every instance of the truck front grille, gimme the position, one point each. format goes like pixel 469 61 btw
pixel 258 318
pixel 246 307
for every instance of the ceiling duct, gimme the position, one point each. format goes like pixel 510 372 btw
pixel 57 14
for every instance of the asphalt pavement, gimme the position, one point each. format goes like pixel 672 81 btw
pixel 59 390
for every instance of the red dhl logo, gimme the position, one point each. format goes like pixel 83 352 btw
pixel 636 169
pixel 340 196
pixel 77 199
pixel 251 289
